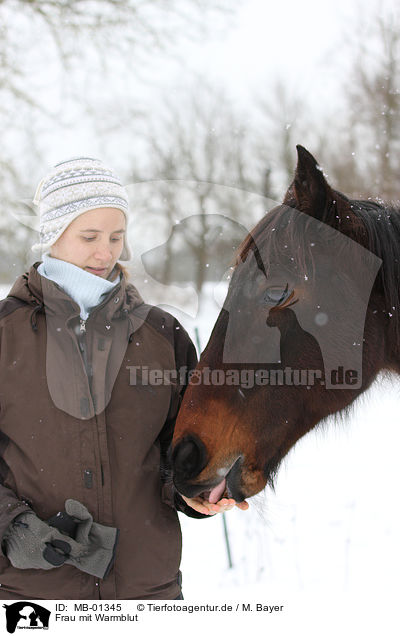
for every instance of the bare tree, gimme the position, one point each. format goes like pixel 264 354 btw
pixel 368 141
pixel 209 185
pixel 282 125
pixel 50 48
pixel 133 30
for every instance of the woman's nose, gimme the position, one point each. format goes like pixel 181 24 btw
pixel 103 252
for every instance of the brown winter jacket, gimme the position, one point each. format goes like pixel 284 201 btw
pixel 57 441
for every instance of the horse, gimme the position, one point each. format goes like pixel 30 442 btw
pixel 310 318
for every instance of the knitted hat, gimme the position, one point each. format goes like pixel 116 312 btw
pixel 71 188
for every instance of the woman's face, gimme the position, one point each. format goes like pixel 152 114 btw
pixel 93 241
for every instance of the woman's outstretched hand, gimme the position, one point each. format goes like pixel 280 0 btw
pixel 207 508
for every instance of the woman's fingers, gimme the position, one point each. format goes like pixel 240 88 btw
pixel 222 505
pixel 227 504
pixel 243 505
pixel 197 504
pixel 207 508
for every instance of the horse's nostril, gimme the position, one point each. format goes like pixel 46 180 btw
pixel 189 458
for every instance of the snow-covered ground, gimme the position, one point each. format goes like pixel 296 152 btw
pixel 326 544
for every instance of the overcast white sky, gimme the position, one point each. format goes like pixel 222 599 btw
pixel 305 44
pixel 288 39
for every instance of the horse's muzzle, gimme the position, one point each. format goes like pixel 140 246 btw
pixel 189 458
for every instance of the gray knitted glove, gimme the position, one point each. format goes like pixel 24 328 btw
pixel 30 543
pixel 97 543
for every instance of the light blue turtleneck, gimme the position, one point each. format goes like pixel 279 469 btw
pixel 86 289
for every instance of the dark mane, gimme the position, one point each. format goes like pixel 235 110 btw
pixel 382 223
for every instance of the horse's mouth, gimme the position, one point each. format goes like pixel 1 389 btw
pixel 228 487
pixel 215 494
pixel 194 477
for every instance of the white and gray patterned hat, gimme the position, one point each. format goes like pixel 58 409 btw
pixel 71 188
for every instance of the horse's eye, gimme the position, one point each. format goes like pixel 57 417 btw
pixel 276 295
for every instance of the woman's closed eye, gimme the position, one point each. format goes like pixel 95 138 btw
pixel 114 239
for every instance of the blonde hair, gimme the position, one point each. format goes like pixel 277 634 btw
pixel 123 270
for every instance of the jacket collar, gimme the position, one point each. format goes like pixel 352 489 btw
pixel 37 290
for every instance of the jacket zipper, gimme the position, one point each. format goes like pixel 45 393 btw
pixel 88 475
pixel 82 345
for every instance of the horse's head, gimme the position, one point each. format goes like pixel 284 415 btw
pixel 301 334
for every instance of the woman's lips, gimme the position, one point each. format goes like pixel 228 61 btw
pixel 97 270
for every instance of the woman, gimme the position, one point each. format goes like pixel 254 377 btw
pixel 87 505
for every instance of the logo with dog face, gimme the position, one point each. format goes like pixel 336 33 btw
pixel 26 615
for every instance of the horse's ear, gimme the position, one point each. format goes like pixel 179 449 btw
pixel 309 192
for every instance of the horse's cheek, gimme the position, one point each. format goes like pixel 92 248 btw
pixel 253 482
